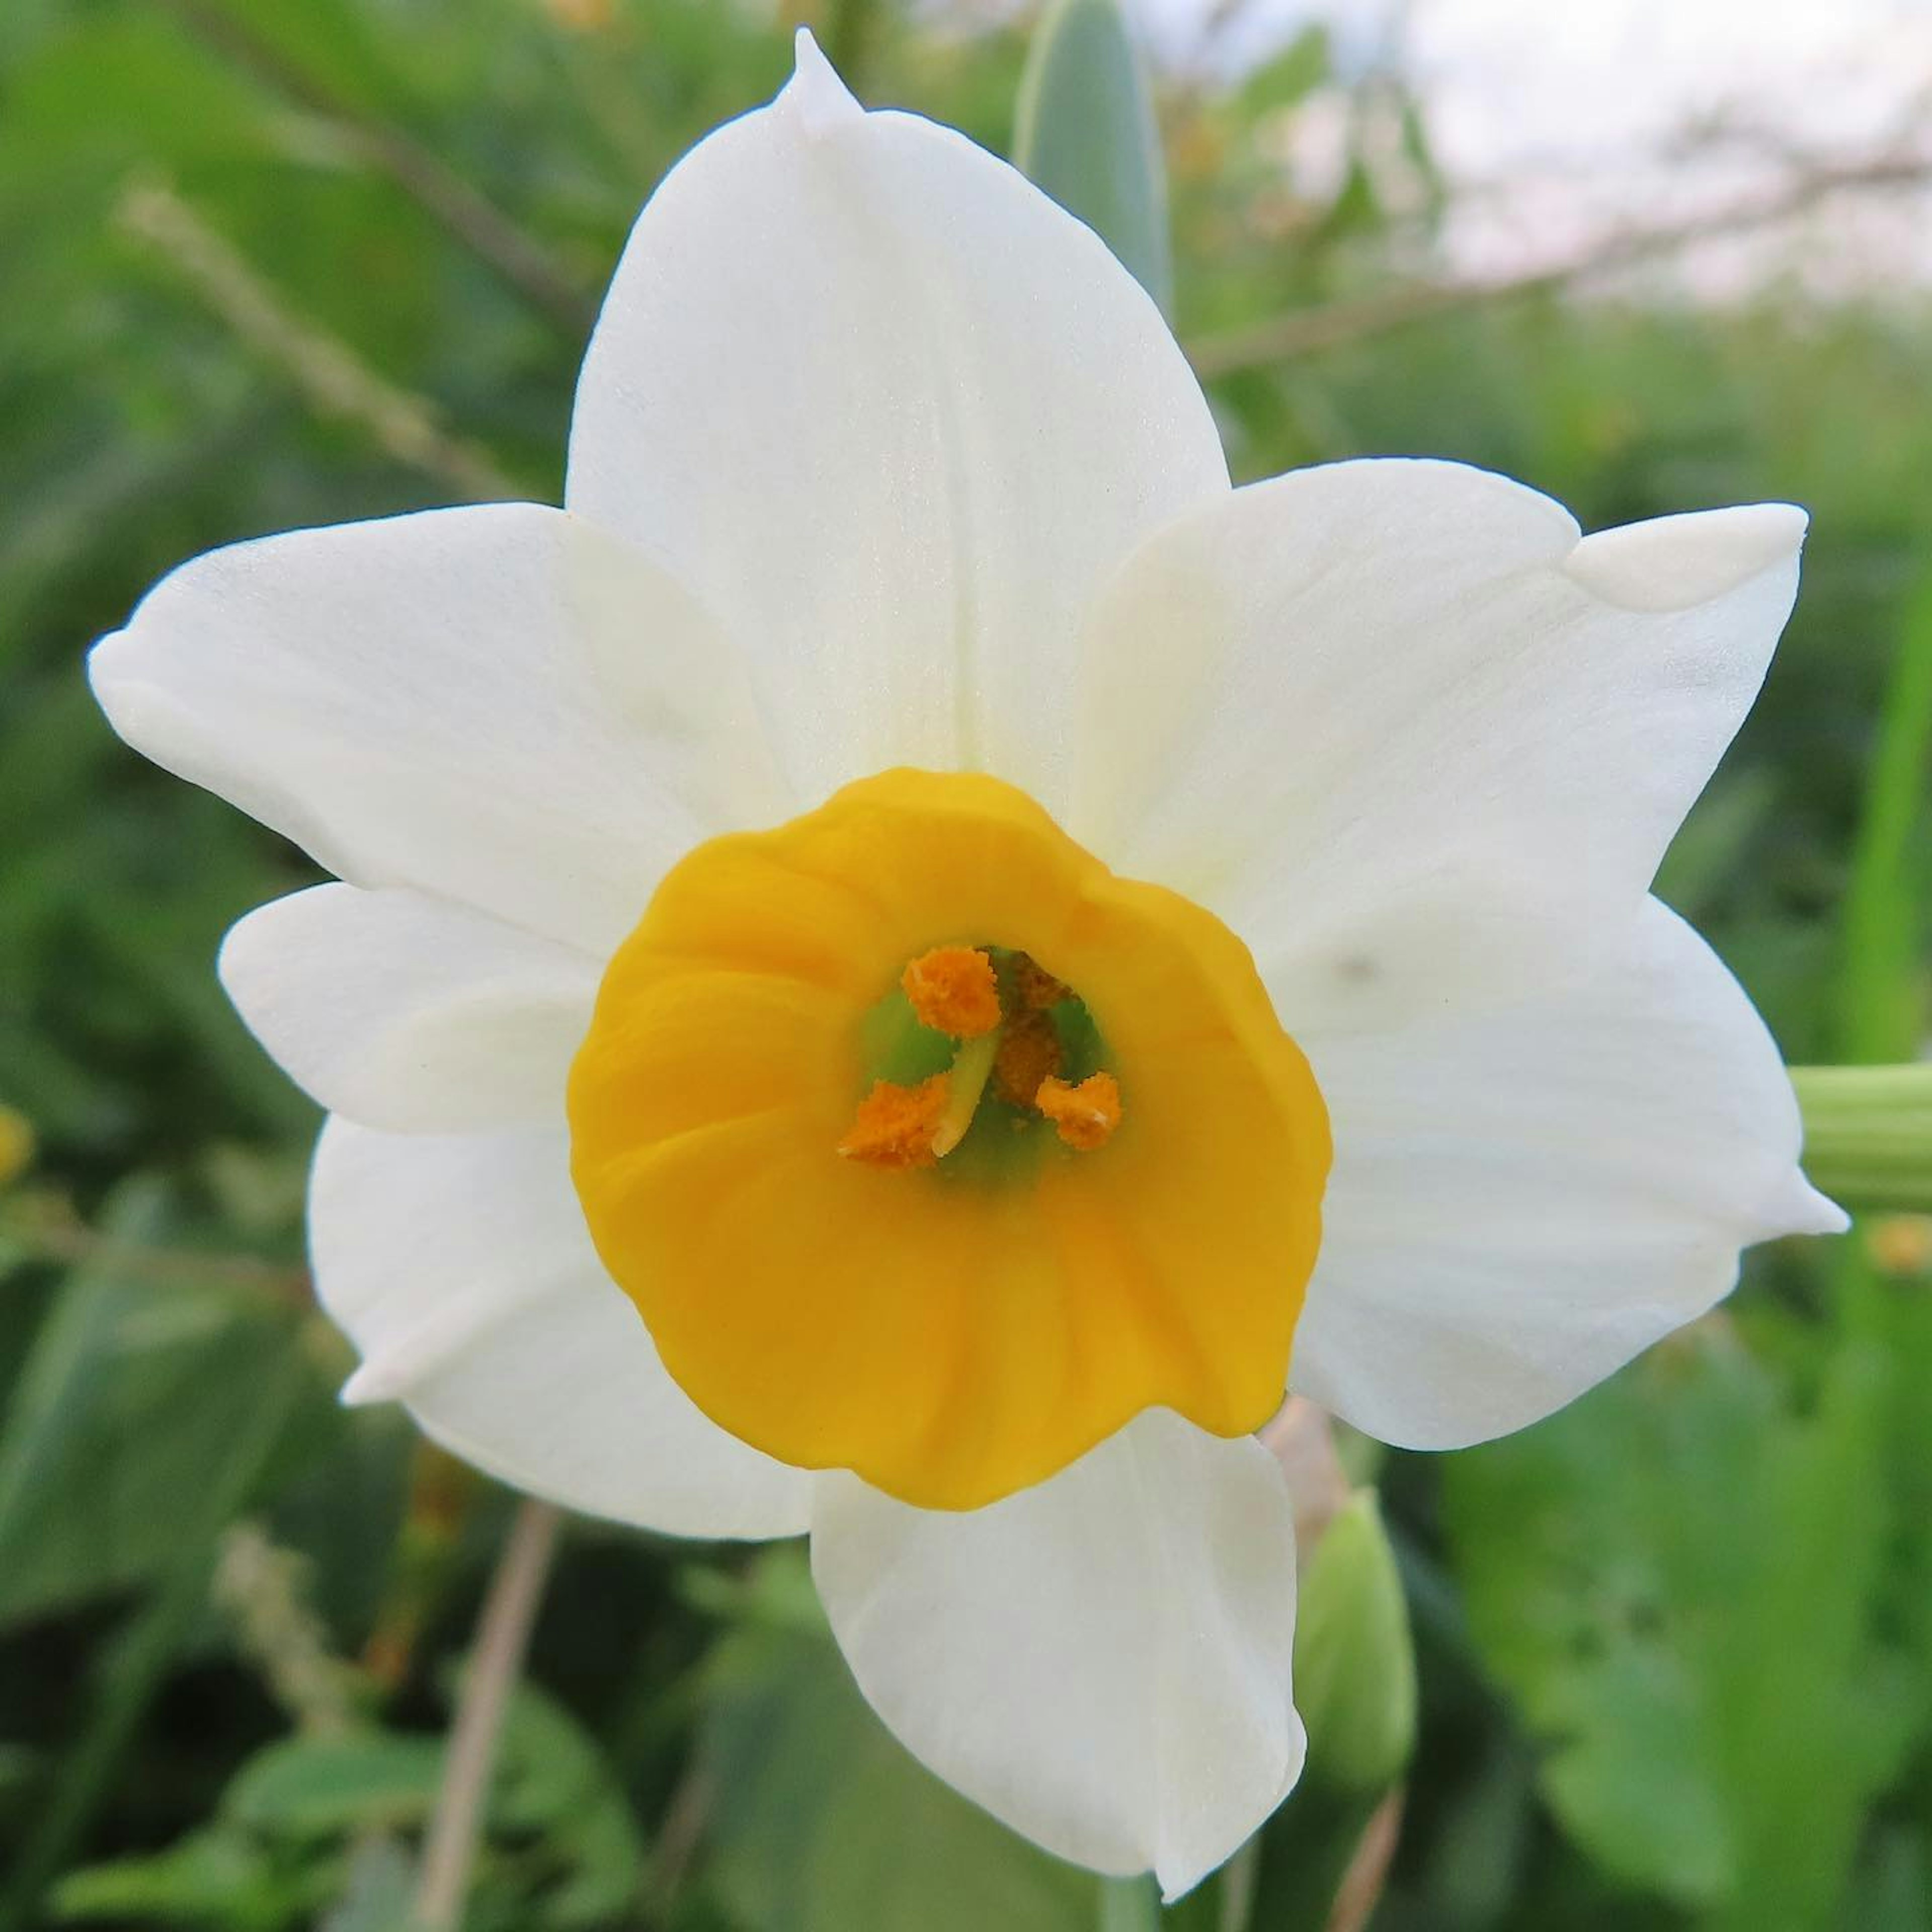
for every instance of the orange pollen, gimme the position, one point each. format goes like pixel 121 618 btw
pixel 895 1126
pixel 953 990
pixel 1037 987
pixel 1029 1053
pixel 1085 1116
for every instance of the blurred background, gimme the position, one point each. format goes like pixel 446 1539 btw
pixel 265 264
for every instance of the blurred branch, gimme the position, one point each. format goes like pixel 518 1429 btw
pixel 474 221
pixel 43 1228
pixel 1308 331
pixel 260 1587
pixel 335 382
pixel 685 1819
pixel 1241 1879
pixel 1367 1876
pixel 502 1636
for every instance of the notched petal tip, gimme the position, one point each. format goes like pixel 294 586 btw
pixel 821 100
pixel 1671 563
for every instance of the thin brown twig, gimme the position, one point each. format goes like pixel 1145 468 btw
pixel 502 1637
pixel 1309 332
pixel 329 374
pixel 685 1819
pixel 1362 1884
pixel 73 1242
pixel 470 216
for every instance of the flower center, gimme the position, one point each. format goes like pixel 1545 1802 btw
pixel 975 1047
pixel 929 1148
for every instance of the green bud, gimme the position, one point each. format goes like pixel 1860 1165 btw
pixel 1355 1665
pixel 1084 131
pixel 1868 1133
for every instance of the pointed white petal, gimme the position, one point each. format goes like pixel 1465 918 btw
pixel 1103 1661
pixel 440 701
pixel 1403 731
pixel 822 100
pixel 459 1266
pixel 1523 1199
pixel 892 415
pixel 410 1013
pixel 1671 563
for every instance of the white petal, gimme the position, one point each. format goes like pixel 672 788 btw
pixel 459 1266
pixel 1399 726
pixel 892 415
pixel 1522 1200
pixel 410 1013
pixel 439 701
pixel 1103 1661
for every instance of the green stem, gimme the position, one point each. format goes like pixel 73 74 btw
pixel 1128 1905
pixel 1868 1133
pixel 1883 1003
pixel 1239 1879
pixel 502 1638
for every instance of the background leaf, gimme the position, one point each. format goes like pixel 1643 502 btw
pixel 1677 1580
pixel 1084 131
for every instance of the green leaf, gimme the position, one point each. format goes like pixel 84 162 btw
pixel 129 1672
pixel 1287 78
pixel 1084 131
pixel 130 1401
pixel 1675 1580
pixel 556 1781
pixel 317 1788
pixel 824 1823
pixel 1883 997
pixel 221 1876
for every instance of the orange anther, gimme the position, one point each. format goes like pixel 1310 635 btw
pixel 895 1126
pixel 1085 1116
pixel 952 988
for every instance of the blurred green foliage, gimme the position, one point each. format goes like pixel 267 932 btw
pixel 268 265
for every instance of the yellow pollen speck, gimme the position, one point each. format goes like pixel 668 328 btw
pixel 895 1126
pixel 953 990
pixel 1901 1244
pixel 16 1144
pixel 1085 1116
pixel 585 15
pixel 1029 1053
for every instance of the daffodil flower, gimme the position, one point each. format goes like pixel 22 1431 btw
pixel 899 953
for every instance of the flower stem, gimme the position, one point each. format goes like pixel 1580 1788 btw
pixel 1128 1905
pixel 1868 1133
pixel 502 1636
